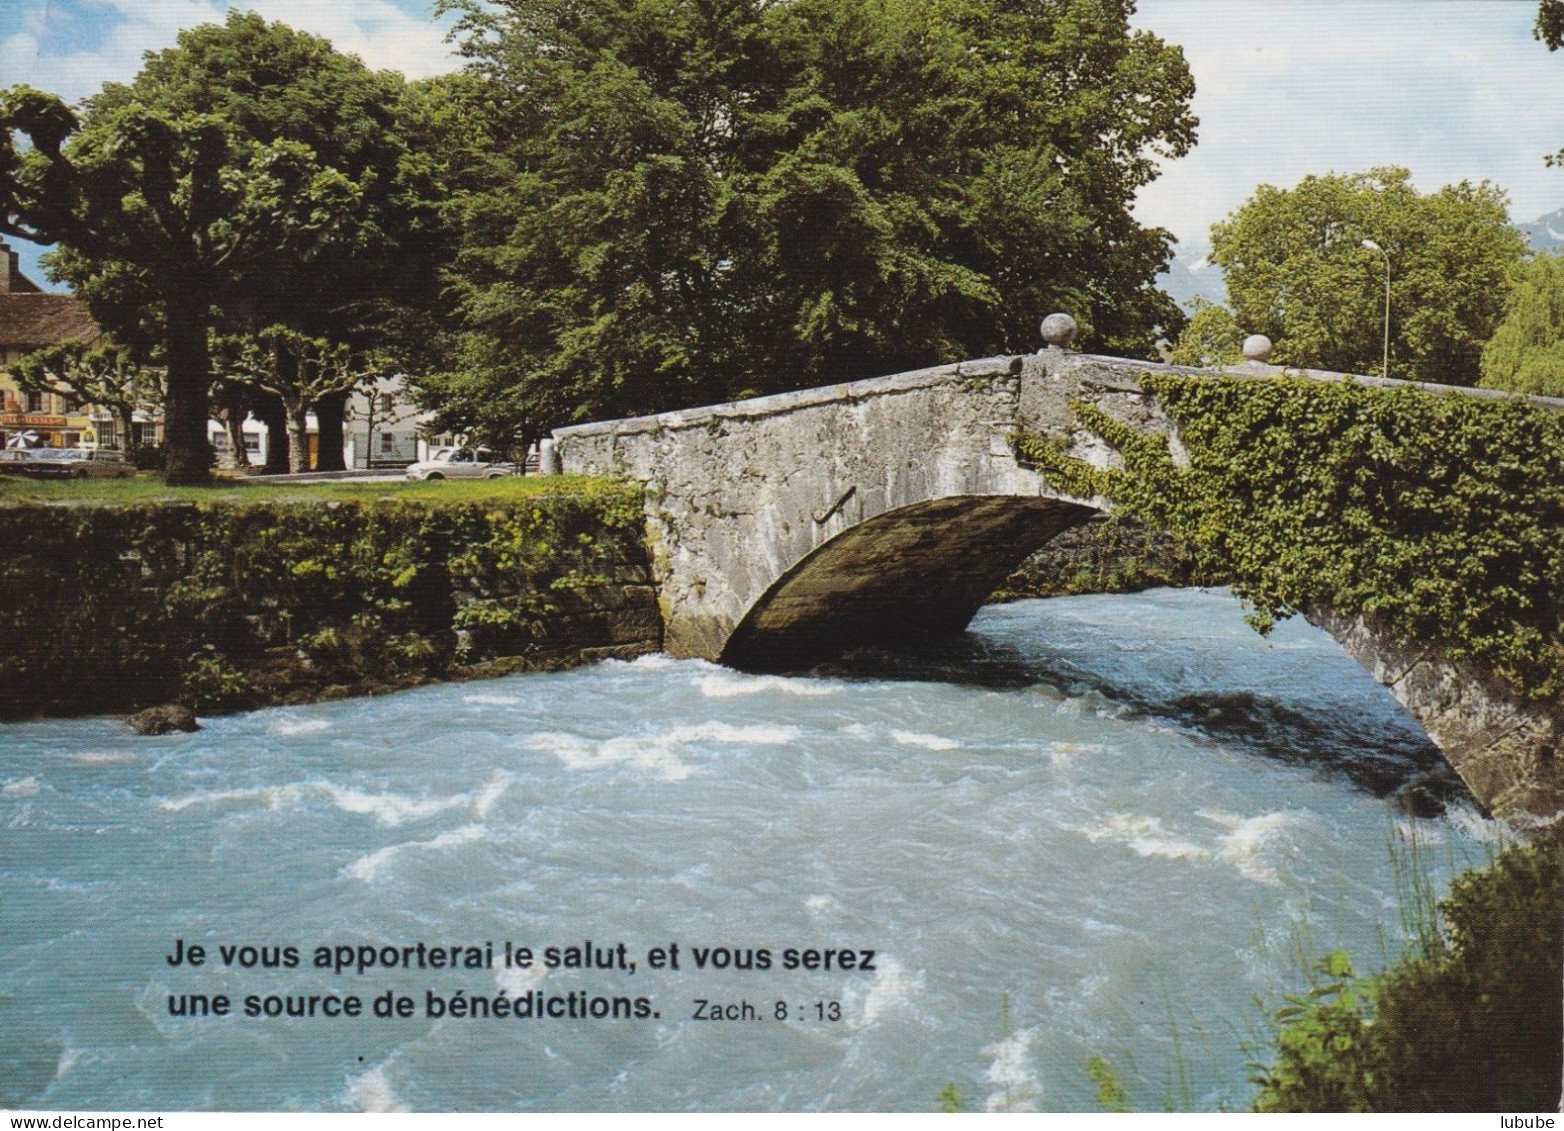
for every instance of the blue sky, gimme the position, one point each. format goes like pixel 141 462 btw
pixel 1452 89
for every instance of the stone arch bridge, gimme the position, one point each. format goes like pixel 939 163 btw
pixel 886 511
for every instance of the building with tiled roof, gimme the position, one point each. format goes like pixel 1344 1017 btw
pixel 31 319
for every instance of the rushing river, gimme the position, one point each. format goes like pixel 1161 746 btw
pixel 1096 827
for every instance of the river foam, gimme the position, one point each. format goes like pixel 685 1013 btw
pixel 386 808
pixel 1012 1074
pixel 722 683
pixel 371 1092
pixel 658 752
pixel 1047 865
pixel 368 868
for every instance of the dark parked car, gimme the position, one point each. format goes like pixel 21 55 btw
pixel 67 463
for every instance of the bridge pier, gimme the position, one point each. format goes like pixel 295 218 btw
pixel 1508 751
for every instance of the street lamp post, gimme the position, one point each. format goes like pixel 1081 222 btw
pixel 1372 246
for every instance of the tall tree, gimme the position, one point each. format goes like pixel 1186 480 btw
pixel 107 375
pixel 677 203
pixel 1212 337
pixel 1297 270
pixel 1526 352
pixel 252 172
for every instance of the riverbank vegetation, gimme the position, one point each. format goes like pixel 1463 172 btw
pixel 235 604
pixel 1335 494
pixel 1469 1021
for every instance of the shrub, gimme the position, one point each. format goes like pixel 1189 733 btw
pixel 1473 1026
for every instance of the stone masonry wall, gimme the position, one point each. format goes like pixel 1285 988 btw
pixel 108 609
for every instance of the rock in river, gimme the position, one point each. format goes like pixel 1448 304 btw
pixel 166 719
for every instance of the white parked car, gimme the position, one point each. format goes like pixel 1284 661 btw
pixel 462 463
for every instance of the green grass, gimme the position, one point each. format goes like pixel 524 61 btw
pixel 148 487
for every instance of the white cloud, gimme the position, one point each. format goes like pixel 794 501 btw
pixel 382 34
pixel 72 47
pixel 1452 91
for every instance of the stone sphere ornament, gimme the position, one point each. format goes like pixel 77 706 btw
pixel 1257 347
pixel 1059 331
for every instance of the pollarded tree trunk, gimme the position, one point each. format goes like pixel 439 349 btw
pixel 298 434
pixel 330 449
pixel 229 406
pixel 127 423
pixel 268 410
pixel 233 423
pixel 188 456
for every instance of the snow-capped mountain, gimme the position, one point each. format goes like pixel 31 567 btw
pixel 1545 233
pixel 1192 275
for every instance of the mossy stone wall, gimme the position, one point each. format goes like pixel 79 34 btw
pixel 232 606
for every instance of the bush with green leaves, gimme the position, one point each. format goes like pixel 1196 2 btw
pixel 1526 352
pixel 1471 1025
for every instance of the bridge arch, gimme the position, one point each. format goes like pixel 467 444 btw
pixel 915 573
pixel 741 498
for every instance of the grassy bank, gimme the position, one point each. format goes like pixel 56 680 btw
pixel 149 487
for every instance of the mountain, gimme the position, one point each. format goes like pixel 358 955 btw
pixel 1192 275
pixel 1546 233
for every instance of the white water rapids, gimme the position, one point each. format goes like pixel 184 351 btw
pixel 1096 827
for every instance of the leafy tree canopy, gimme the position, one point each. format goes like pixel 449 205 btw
pixel 686 202
pixel 105 374
pixel 251 168
pixel 300 371
pixel 1550 29
pixel 1526 353
pixel 1550 23
pixel 1213 337
pixel 1297 271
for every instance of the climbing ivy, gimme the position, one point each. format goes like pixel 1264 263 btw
pixel 1441 516
pixel 225 606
